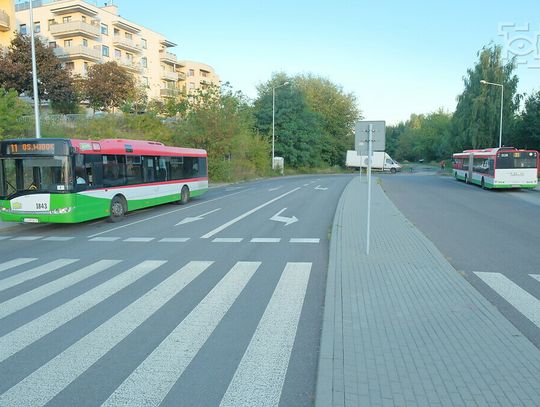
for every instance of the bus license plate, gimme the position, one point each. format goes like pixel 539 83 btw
pixel 30 220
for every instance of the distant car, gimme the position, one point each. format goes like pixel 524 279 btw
pixel 421 160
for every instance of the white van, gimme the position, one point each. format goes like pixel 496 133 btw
pixel 380 161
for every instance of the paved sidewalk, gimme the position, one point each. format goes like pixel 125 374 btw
pixel 403 328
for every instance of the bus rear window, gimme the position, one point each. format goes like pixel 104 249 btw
pixel 516 160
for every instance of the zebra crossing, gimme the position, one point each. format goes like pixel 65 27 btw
pixel 259 375
pixel 527 304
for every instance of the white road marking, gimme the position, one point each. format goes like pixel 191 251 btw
pixel 306 185
pixel 59 238
pixel 265 240
pixel 244 215
pixel 258 380
pixel 24 300
pixel 304 240
pixel 104 239
pixel 227 240
pixel 535 276
pixel 284 219
pixel 45 383
pixel 174 239
pixel 195 218
pixel 275 189
pixel 153 379
pixel 5 237
pixel 319 188
pixel 28 238
pixel 14 263
pixel 139 239
pixel 34 273
pixel 23 336
pixel 168 213
pixel 520 299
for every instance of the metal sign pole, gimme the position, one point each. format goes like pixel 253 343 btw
pixel 34 73
pixel 370 146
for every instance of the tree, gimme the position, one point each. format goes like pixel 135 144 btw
pixel 477 116
pixel 108 86
pixel 298 130
pixel 55 82
pixel 527 133
pixel 11 110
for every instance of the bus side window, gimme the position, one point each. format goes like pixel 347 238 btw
pixel 202 167
pixel 94 170
pixel 149 170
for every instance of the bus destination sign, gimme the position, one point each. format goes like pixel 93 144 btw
pixel 34 147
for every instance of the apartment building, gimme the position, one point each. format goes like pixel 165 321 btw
pixel 83 34
pixel 7 22
pixel 197 75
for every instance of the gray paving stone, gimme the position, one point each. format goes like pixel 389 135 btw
pixel 402 325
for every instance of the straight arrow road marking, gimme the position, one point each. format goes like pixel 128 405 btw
pixel 245 215
pixel 195 218
pixel 318 187
pixel 287 221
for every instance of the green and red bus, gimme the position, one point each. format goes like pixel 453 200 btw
pixel 68 180
pixel 503 167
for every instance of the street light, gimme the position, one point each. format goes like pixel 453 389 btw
pixel 274 117
pixel 483 82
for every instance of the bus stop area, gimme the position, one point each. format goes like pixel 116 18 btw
pixel 402 327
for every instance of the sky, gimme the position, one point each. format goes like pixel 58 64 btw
pixel 396 57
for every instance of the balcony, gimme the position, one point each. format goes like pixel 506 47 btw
pixel 4 21
pixel 169 92
pixel 75 28
pixel 167 57
pixel 169 76
pixel 126 44
pixel 79 52
pixel 128 64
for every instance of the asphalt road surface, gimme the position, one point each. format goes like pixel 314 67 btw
pixel 218 302
pixel 491 237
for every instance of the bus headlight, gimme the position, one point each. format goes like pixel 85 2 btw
pixel 60 211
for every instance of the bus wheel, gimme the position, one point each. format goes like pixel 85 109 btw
pixel 482 184
pixel 118 209
pixel 184 195
pixel 393 170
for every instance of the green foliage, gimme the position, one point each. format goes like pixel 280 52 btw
pixel 56 83
pixel 314 119
pixel 221 122
pixel 11 110
pixel 108 86
pixel 477 116
pixel 527 131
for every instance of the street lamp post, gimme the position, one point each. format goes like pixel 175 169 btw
pixel 483 82
pixel 274 117
pixel 34 72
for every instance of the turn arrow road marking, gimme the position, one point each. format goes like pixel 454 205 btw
pixel 321 188
pixel 196 218
pixel 283 219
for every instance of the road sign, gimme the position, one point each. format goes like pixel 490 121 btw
pixel 378 136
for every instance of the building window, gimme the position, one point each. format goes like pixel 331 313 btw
pixel 191 85
pixel 116 32
pixel 70 66
pixel 68 43
pixel 51 22
pixel 66 19
pixel 105 50
pixel 83 18
pixel 85 43
pixel 52 44
pixel 129 36
pixel 129 57
pixel 204 73
pixel 144 62
pixel 117 54
pixel 104 29
pixel 37 27
pixel 145 81
pixel 191 72
pixel 143 43
pixel 22 29
pixel 85 68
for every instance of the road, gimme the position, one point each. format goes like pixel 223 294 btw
pixel 491 237
pixel 218 302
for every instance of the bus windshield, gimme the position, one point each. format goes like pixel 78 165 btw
pixel 516 160
pixel 19 176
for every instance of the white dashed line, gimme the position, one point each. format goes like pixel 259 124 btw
pixel 174 240
pixel 27 238
pixel 265 240
pixel 104 239
pixel 139 239
pixel 304 240
pixel 227 240
pixel 58 239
